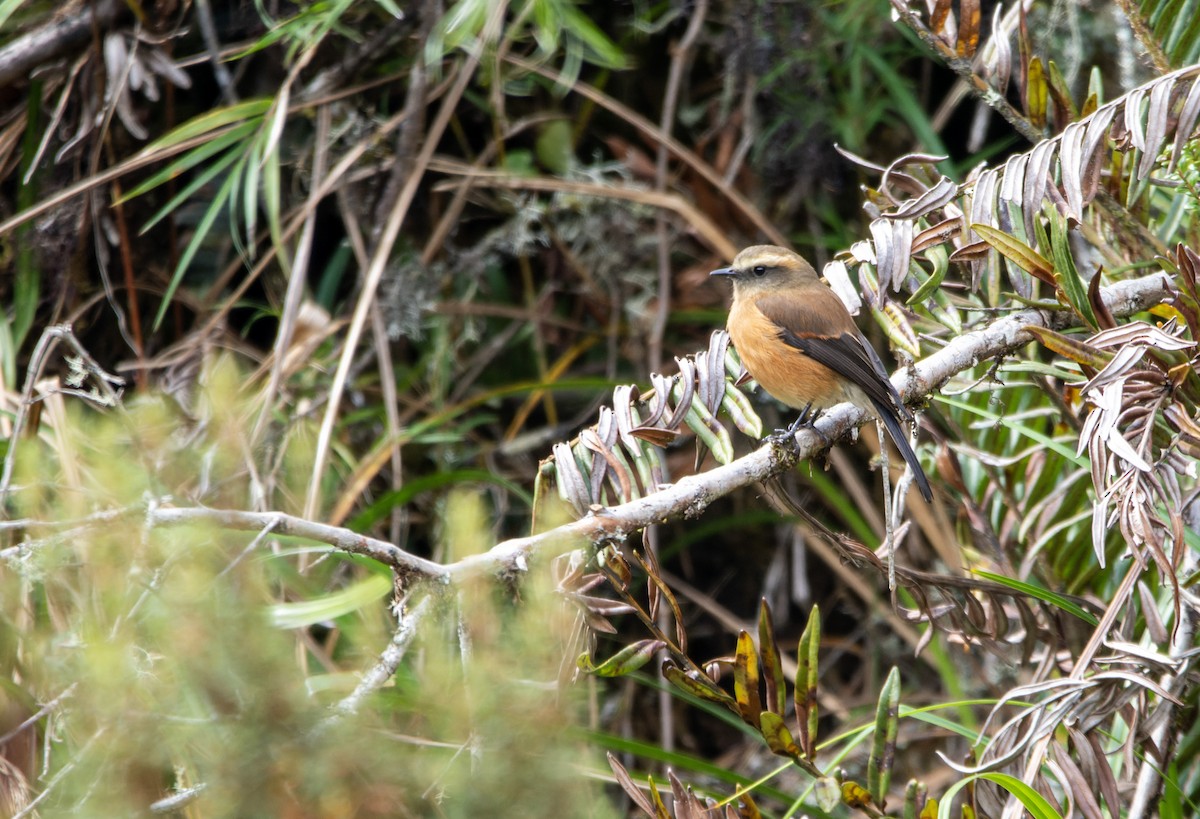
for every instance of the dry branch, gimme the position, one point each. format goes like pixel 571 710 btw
pixel 54 39
pixel 691 495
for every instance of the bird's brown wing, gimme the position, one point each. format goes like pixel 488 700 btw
pixel 824 331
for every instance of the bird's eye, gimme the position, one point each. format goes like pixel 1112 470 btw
pixel 760 271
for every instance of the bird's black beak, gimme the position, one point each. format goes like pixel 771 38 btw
pixel 724 271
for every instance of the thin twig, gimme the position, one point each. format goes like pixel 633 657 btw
pixel 1133 13
pixel 705 227
pixel 378 675
pixel 50 339
pixel 692 494
pixel 680 58
pixel 208 32
pixel 965 70
pixel 685 154
pixel 54 39
pixel 383 251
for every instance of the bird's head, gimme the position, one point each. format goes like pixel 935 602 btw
pixel 763 268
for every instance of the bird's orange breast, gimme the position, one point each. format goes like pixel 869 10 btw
pixel 783 371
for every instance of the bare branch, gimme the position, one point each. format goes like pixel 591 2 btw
pixel 54 39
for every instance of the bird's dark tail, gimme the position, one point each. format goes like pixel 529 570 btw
pixel 891 420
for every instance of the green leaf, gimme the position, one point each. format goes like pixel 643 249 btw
pixel 709 430
pixel 192 158
pixel 625 661
pixel 1065 275
pixel 7 7
pixel 1033 801
pixel 1016 251
pixel 1016 426
pixel 697 686
pixel 883 748
pixel 772 663
pixel 1069 348
pixel 197 182
pixel 604 52
pixel 1061 94
pixel 806 682
pixel 1039 593
pixel 1036 93
pixel 202 228
pixel 778 737
pixel 940 259
pixel 210 121
pixel 350 599
pixel 554 148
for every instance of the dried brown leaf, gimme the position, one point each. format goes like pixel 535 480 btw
pixel 631 789
pixel 973 252
pixel 1036 175
pixel 658 402
pixel 1002 62
pixel 936 197
pixel 1187 123
pixel 1134 129
pixel 687 386
pixel 937 234
pixel 571 483
pixel 883 234
pixel 968 28
pixel 938 18
pixel 1158 117
pixel 1104 317
pixel 1013 182
pixel 1072 163
pixel 983 200
pixel 623 398
pixel 655 435
pixel 1075 783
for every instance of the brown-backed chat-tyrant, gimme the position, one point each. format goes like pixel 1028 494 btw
pixel 800 344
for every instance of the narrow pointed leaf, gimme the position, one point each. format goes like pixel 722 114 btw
pixel 1069 282
pixel 883 747
pixel 1045 595
pixel 779 738
pixel 806 682
pixel 1064 107
pixel 771 661
pixel 628 785
pixel 625 661
pixel 1034 802
pixel 1036 92
pixel 210 121
pixel 700 686
pixel 745 679
pixel 855 795
pixel 1016 251
pixel 1071 348
pixel 201 232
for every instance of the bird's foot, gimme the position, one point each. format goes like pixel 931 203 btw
pixel 806 420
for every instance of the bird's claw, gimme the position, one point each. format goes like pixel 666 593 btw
pixel 806 420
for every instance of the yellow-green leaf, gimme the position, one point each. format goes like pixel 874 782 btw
pixel 745 679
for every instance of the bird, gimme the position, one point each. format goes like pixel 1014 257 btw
pixel 798 341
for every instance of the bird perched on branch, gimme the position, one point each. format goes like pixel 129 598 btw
pixel 800 344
